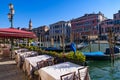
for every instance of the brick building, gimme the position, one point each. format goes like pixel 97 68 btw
pixel 105 26
pixel 116 18
pixel 87 26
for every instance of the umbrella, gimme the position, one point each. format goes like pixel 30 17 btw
pixel 15 33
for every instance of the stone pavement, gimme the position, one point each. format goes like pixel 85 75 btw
pixel 9 70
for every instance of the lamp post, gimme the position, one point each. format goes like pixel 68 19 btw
pixel 39 39
pixel 10 17
pixel 63 41
pixel 11 14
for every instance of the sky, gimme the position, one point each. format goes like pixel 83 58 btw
pixel 46 12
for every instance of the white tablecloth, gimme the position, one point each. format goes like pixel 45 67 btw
pixel 54 72
pixel 32 61
pixel 20 50
pixel 22 55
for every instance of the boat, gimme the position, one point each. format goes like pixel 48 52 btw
pixel 81 45
pixel 117 42
pixel 67 47
pixel 98 55
pixel 53 49
pixel 78 46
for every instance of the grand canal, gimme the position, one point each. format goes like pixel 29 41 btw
pixel 103 70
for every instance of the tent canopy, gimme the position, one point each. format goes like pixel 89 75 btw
pixel 15 33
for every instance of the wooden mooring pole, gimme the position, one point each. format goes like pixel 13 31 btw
pixel 110 35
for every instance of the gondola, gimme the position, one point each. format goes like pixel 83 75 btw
pixel 98 55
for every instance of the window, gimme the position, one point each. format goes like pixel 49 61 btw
pixel 102 30
pixel 114 16
pixel 80 29
pixel 86 28
pixel 56 26
pixel 93 21
pixel 57 31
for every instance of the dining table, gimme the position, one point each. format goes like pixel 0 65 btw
pixel 54 72
pixel 20 57
pixel 31 62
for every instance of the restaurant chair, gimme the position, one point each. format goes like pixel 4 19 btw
pixel 41 64
pixel 29 55
pixel 68 76
pixel 20 62
pixel 50 61
pixel 83 74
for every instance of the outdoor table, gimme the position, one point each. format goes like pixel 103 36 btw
pixel 20 50
pixel 54 72
pixel 20 57
pixel 31 62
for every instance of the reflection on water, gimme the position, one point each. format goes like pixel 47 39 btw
pixel 103 70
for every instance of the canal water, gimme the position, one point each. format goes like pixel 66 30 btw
pixel 103 70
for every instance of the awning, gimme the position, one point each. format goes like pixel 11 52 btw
pixel 15 33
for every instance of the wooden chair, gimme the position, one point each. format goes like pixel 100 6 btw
pixel 40 64
pixel 50 61
pixel 68 76
pixel 46 63
pixel 83 74
pixel 29 55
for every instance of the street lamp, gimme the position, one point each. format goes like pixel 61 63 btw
pixel 39 39
pixel 10 15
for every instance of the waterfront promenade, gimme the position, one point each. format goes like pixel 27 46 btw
pixel 9 70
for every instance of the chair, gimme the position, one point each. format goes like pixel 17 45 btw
pixel 83 74
pixel 68 76
pixel 50 61
pixel 40 64
pixel 29 55
pixel 20 62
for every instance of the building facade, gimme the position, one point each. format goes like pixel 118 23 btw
pixel 87 26
pixel 60 30
pixel 113 24
pixel 116 18
pixel 42 33
pixel 105 26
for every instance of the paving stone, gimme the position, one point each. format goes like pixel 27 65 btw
pixel 9 70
